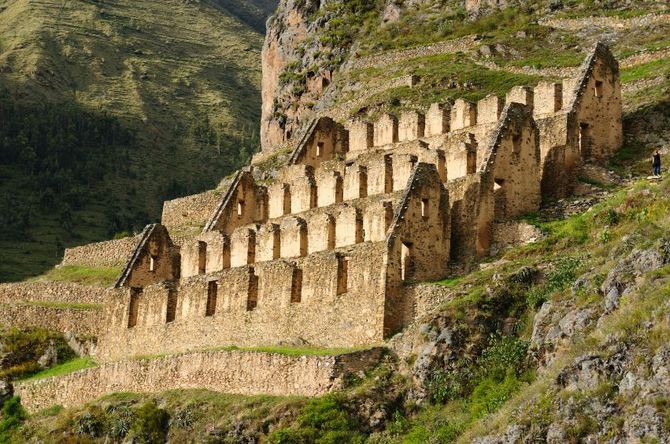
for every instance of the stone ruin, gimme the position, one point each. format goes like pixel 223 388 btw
pixel 326 253
pixel 322 255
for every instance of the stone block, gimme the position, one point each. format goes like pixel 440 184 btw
pixel 438 120
pixel 548 98
pixel 489 109
pixel 361 135
pixel 386 130
pixel 463 114
pixel 412 126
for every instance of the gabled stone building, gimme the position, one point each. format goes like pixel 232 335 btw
pixel 323 254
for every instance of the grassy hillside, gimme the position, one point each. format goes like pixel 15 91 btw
pixel 162 99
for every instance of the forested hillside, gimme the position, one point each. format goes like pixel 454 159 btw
pixel 108 107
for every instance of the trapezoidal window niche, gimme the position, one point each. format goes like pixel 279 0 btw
pixel 425 208
pixel 330 232
pixel 585 140
pixel 598 89
pixel 202 257
pixel 287 200
pixel 406 261
pixel 342 275
pixel 212 295
pixel 252 293
pixel 296 286
pixel 363 183
pixel 134 306
pixel 171 312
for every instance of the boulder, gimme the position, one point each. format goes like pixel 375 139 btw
pixel 6 391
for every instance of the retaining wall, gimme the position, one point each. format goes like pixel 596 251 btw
pixel 60 292
pixel 83 321
pixel 190 211
pixel 112 253
pixel 237 372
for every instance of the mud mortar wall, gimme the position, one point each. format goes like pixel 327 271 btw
pixel 238 372
pixel 325 314
pixel 112 253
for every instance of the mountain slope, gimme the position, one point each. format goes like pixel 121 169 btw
pixel 180 79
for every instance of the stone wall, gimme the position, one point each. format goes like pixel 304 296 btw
pixel 155 259
pixel 112 253
pixel 83 321
pixel 257 304
pixel 394 57
pixel 598 106
pixel 190 211
pixel 426 298
pixel 513 233
pixel 53 292
pixel 56 306
pixel 321 255
pixel 237 372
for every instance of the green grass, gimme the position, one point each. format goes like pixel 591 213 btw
pixel 64 305
pixel 299 351
pixel 450 282
pixel 438 74
pixel 657 68
pixel 279 350
pixel 100 276
pixel 64 369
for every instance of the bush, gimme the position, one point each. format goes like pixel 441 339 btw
pixel 536 296
pixel 525 276
pixel 12 417
pixel 151 424
pixel 322 421
pixel 564 273
pixel 491 393
pixel 119 420
pixel 445 386
pixel 89 424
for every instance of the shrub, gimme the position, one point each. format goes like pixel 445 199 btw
pixel 564 273
pixel 491 393
pixel 183 418
pixel 151 424
pixel 323 420
pixel 399 424
pixel 89 424
pixel 612 217
pixel 525 276
pixel 119 421
pixel 536 296
pixel 445 386
pixel 507 353
pixel 12 417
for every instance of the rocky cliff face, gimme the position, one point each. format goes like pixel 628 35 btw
pixel 306 42
pixel 287 30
